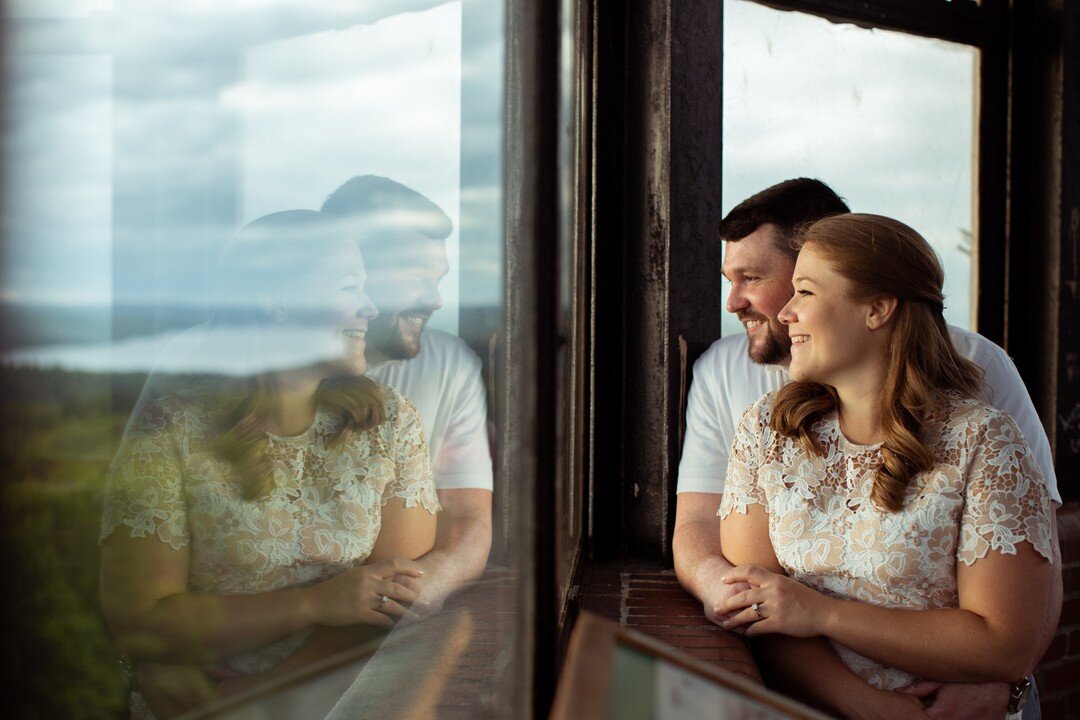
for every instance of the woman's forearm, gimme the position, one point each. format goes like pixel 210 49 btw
pixel 196 628
pixel 992 636
pixel 810 669
pixel 952 645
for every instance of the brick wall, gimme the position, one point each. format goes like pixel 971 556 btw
pixel 1058 677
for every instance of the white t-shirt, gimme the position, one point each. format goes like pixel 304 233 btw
pixel 726 382
pixel 443 382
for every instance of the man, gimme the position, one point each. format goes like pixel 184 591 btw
pixel 402 236
pixel 735 371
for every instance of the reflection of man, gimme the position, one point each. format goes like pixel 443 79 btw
pixel 402 237
pixel 737 370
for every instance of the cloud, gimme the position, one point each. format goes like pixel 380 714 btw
pixel 886 119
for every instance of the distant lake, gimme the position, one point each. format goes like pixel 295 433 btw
pixel 168 340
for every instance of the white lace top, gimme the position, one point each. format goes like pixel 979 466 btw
pixel 322 517
pixel 984 494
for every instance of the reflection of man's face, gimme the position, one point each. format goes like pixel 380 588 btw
pixel 403 282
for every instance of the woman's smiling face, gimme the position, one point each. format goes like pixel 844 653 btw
pixel 330 301
pixel 829 334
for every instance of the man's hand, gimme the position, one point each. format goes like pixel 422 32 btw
pixel 462 542
pixel 432 588
pixel 699 564
pixel 715 592
pixel 962 701
pixel 171 690
pixel 774 604
pixel 884 705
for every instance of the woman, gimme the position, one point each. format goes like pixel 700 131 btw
pixel 875 500
pixel 243 514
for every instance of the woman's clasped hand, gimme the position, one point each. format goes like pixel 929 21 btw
pixel 366 595
pixel 774 604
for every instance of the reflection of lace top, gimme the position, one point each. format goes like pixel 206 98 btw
pixel 322 517
pixel 984 494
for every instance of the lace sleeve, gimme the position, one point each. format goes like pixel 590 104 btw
pixel 144 487
pixel 1005 500
pixel 413 481
pixel 741 488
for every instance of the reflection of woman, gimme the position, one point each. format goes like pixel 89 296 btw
pixel 906 513
pixel 239 520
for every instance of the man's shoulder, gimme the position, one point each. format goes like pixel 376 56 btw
pixel 438 347
pixel 728 360
pixel 725 352
pixel 974 346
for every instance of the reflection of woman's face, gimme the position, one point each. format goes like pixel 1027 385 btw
pixel 329 303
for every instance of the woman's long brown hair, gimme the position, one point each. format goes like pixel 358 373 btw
pixel 355 402
pixel 880 257
pixel 264 254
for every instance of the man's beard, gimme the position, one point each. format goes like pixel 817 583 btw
pixel 390 339
pixel 769 348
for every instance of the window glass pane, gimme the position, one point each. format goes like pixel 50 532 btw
pixel 227 228
pixel 886 119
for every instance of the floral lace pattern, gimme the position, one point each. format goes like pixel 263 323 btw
pixel 322 517
pixel 985 493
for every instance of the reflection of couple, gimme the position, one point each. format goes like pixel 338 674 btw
pixel 871 496
pixel 258 523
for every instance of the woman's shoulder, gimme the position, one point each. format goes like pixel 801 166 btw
pixel 176 411
pixel 398 413
pixel 757 416
pixel 955 414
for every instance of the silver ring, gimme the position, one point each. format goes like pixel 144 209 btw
pixel 757 610
pixel 382 601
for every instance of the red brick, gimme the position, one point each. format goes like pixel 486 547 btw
pixel 688 641
pixel 1057 648
pixel 1061 677
pixel 1070 613
pixel 665 611
pixel 1074 645
pixel 658 621
pixel 664 577
pixel 1055 709
pixel 1070 581
pixel 632 602
pixel 1069 533
pixel 672 593
pixel 686 631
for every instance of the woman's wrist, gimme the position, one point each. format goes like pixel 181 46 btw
pixel 830 616
pixel 306 601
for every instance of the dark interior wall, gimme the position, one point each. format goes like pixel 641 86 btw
pixel 1043 291
pixel 1067 237
pixel 658 202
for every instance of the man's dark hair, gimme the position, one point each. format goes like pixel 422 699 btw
pixel 788 205
pixel 375 205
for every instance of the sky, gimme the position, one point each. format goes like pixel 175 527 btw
pixel 142 133
pixel 145 133
pixel 883 118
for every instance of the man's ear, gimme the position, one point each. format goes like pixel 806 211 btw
pixel 881 312
pixel 273 308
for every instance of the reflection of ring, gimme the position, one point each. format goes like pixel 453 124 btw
pixel 757 610
pixel 382 601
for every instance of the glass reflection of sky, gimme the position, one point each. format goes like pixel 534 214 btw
pixel 130 166
pixel 885 119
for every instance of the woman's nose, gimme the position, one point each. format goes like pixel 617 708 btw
pixel 366 309
pixel 787 313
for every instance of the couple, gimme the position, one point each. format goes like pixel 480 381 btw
pixel 871 496
pixel 274 514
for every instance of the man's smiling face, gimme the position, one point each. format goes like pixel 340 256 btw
pixel 403 282
pixel 760 277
